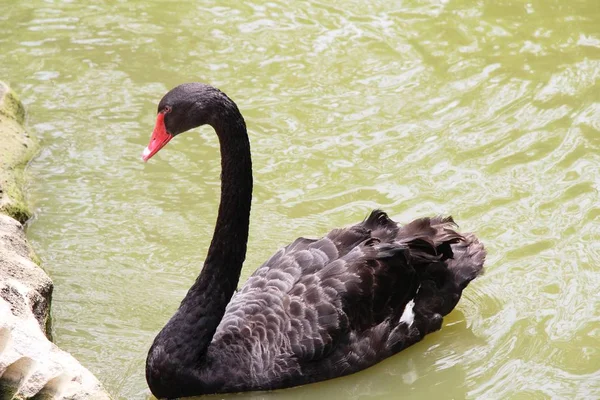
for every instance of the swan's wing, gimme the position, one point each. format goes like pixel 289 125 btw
pixel 345 295
pixel 306 298
pixel 299 292
pixel 348 299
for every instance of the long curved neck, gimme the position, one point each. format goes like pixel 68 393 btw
pixel 202 309
pixel 210 294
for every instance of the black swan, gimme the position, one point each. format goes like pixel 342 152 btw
pixel 318 308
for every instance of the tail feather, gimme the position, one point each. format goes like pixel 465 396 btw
pixel 435 239
pixel 444 260
pixel 468 259
pixel 432 264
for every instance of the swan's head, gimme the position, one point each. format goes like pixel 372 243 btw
pixel 183 108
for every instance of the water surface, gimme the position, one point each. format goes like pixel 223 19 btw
pixel 489 111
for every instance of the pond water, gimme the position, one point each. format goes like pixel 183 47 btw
pixel 488 111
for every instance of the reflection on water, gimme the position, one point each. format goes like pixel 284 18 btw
pixel 488 111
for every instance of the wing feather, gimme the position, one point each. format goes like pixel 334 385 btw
pixel 339 299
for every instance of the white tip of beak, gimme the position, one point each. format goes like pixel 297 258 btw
pixel 145 153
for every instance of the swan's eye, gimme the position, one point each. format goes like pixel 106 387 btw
pixel 167 109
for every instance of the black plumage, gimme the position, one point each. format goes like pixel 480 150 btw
pixel 318 308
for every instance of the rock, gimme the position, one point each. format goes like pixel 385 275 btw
pixel 29 363
pixel 16 149
pixel 31 366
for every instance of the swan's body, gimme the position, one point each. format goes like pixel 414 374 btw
pixel 317 309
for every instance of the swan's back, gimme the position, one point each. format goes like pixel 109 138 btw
pixel 329 307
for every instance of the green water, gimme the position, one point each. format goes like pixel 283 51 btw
pixel 487 110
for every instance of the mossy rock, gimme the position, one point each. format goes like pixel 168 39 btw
pixel 17 147
pixel 36 368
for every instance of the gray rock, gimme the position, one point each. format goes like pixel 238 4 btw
pixel 31 366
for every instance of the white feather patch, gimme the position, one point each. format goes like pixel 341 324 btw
pixel 408 315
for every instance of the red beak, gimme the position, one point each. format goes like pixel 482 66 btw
pixel 160 137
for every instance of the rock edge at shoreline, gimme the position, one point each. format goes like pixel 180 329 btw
pixel 30 364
